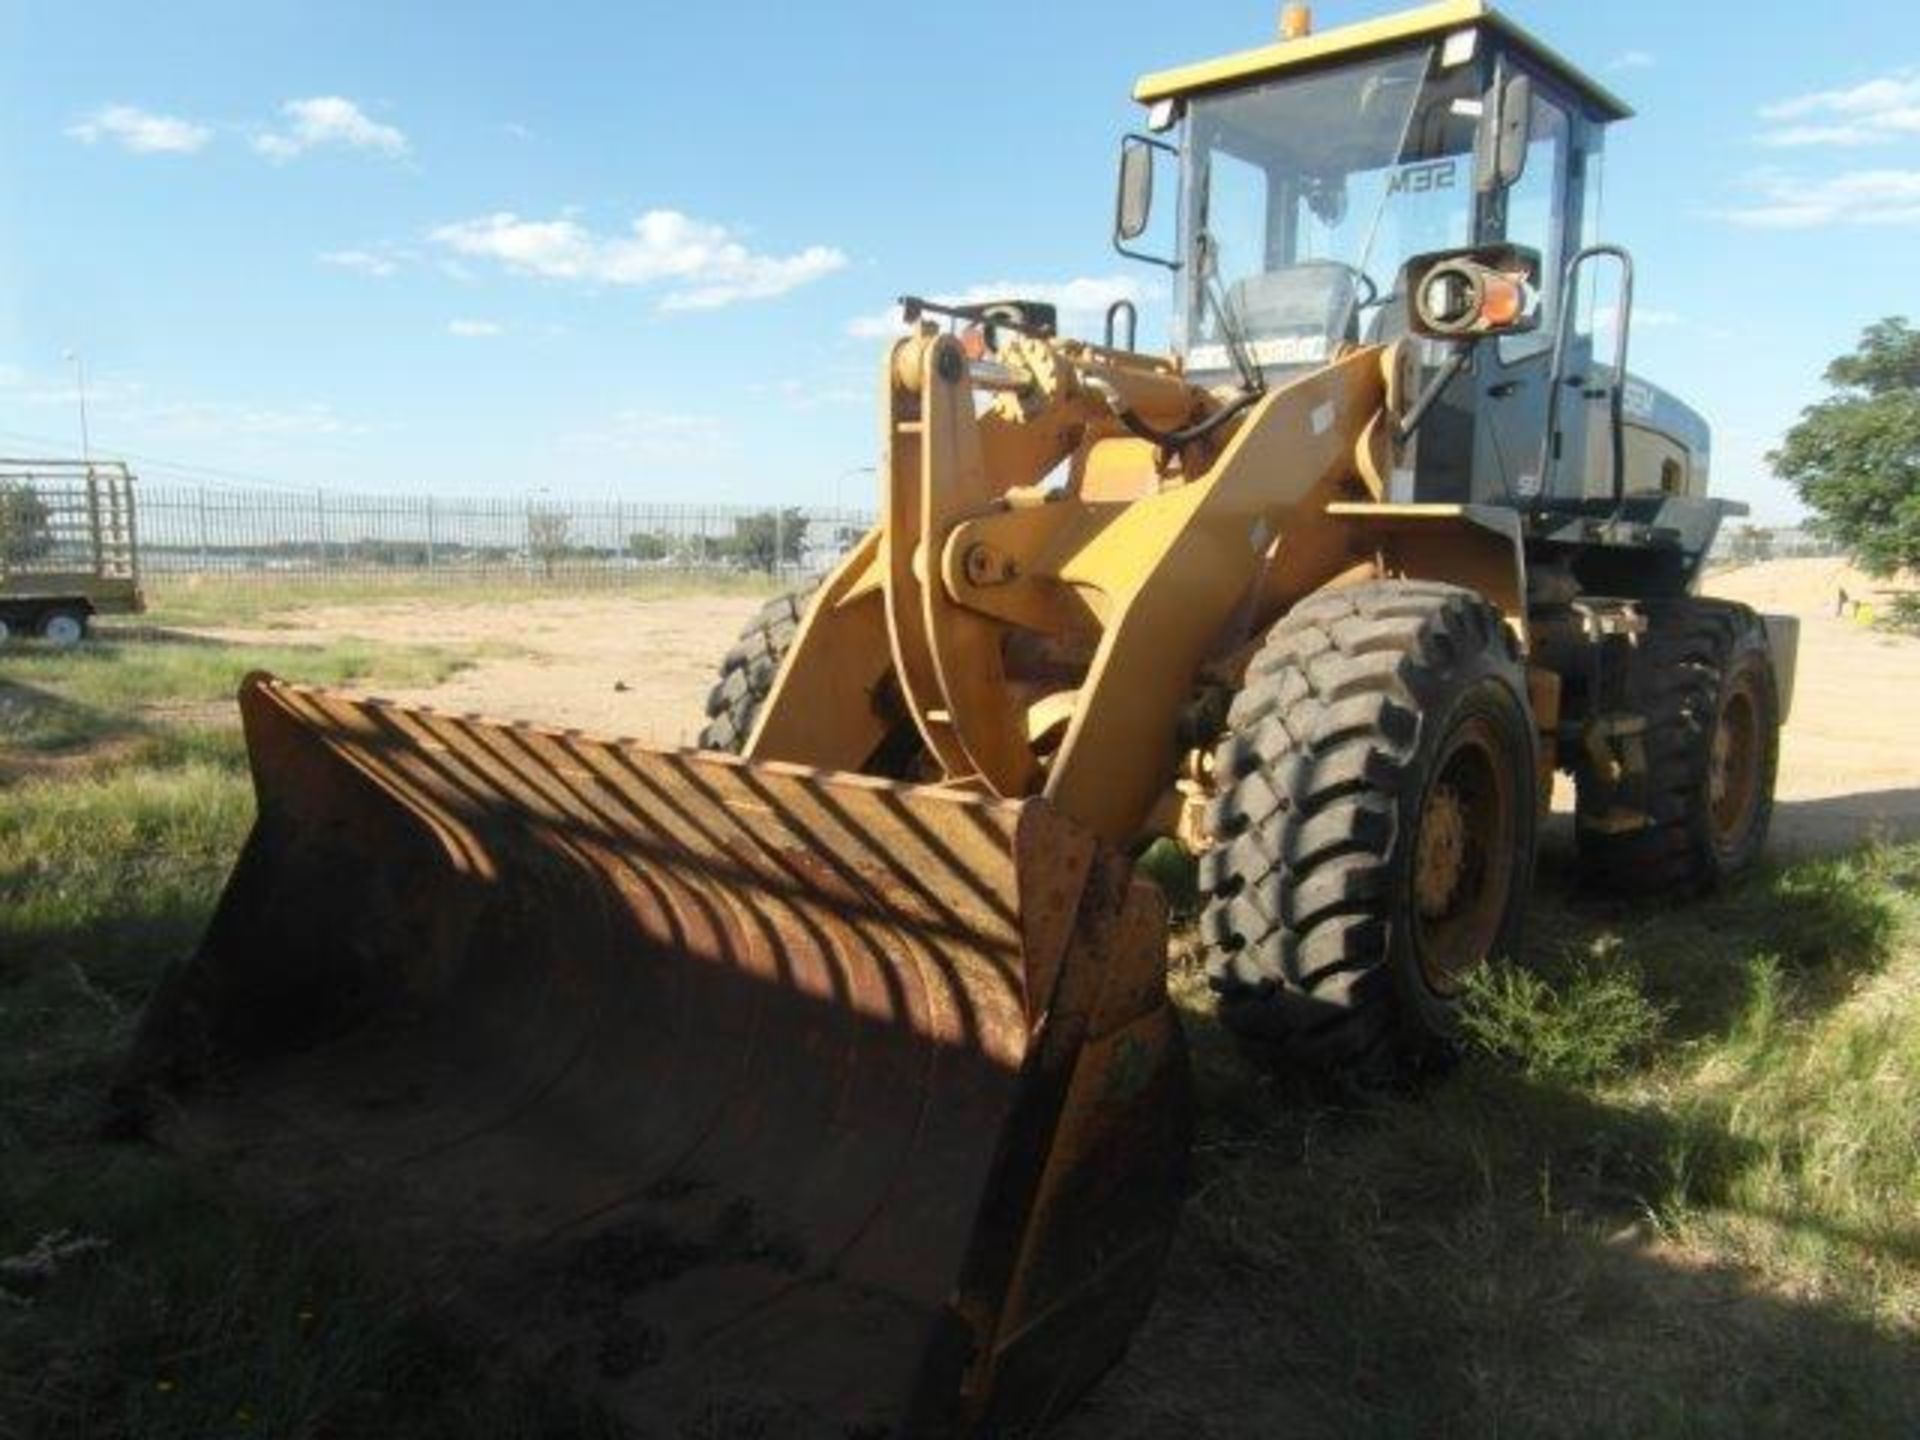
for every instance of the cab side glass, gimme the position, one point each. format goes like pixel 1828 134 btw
pixel 1536 215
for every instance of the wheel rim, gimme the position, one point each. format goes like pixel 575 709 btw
pixel 1733 770
pixel 61 630
pixel 1463 855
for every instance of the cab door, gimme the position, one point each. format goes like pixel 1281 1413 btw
pixel 1539 210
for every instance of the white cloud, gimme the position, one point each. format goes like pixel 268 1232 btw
pixel 328 120
pixel 208 419
pixel 140 132
pixel 1872 113
pixel 130 405
pixel 701 266
pixel 1855 197
pixel 473 329
pixel 1082 302
pixel 654 437
pixel 1632 60
pixel 513 129
pixel 815 393
pixel 361 262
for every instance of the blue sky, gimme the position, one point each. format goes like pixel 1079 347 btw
pixel 643 250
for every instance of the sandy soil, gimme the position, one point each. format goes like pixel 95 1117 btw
pixel 1850 754
pixel 621 667
pixel 1850 762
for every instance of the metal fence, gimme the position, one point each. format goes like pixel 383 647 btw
pixel 276 535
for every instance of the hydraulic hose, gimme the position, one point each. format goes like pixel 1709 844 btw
pixel 1177 439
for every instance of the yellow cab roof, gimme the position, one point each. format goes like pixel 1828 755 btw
pixel 1284 56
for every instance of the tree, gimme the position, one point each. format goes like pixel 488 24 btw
pixel 547 531
pixel 1752 544
pixel 649 546
pixel 26 527
pixel 765 540
pixel 1854 458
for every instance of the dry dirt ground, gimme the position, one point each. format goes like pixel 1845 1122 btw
pixel 612 666
pixel 1850 758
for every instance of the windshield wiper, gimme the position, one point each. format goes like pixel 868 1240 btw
pixel 1252 380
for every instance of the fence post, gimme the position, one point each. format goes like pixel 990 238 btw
pixel 202 496
pixel 429 532
pixel 320 525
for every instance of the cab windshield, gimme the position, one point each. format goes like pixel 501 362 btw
pixel 1305 196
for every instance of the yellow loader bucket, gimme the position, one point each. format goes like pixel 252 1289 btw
pixel 738 1092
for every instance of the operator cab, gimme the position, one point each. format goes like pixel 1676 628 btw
pixel 1314 170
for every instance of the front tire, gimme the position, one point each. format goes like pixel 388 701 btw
pixel 749 669
pixel 1374 824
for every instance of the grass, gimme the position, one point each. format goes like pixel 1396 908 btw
pixel 267 603
pixel 113 689
pixel 1673 1188
pixel 198 1316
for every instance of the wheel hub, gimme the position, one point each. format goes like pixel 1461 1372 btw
pixel 1734 766
pixel 1717 768
pixel 1442 854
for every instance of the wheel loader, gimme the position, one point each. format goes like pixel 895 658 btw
pixel 824 1080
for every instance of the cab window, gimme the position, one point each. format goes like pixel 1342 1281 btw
pixel 1536 215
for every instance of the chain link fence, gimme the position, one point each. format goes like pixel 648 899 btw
pixel 188 531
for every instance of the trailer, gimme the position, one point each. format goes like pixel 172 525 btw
pixel 69 548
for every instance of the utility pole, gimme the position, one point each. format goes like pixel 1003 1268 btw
pixel 80 386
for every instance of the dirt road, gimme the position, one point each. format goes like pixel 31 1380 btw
pixel 1850 761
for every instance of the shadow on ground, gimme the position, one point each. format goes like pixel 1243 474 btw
pixel 1490 1257
pixel 1835 822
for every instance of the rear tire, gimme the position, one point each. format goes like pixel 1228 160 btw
pixel 749 669
pixel 63 627
pixel 1374 825
pixel 1703 679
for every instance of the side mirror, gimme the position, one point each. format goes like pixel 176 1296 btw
pixel 1466 294
pixel 1500 147
pixel 1133 207
pixel 1514 129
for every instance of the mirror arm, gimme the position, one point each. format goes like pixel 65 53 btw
pixel 1162 261
pixel 1119 240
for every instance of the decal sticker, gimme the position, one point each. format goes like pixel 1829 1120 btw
pixel 1419 179
pixel 1281 350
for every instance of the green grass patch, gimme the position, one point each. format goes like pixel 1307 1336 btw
pixel 1673 1188
pixel 64 700
pixel 181 1311
pixel 266 602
